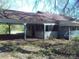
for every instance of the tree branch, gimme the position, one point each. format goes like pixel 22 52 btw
pixel 65 6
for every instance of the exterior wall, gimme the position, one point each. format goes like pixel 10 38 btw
pixel 43 34
pixel 28 33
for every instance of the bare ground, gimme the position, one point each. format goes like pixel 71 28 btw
pixel 23 49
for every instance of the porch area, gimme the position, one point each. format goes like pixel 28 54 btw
pixel 69 29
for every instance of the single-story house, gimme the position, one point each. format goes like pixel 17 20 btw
pixel 40 25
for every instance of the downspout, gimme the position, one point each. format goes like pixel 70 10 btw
pixel 9 29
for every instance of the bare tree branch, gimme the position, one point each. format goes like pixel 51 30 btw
pixel 36 4
pixel 65 6
pixel 3 4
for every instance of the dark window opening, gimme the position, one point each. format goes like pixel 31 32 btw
pixel 52 28
pixel 55 28
pixel 72 28
pixel 77 27
pixel 35 27
pixel 39 27
pixel 49 28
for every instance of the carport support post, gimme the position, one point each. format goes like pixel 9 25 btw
pixel 44 31
pixel 76 27
pixel 9 29
pixel 69 32
pixel 25 31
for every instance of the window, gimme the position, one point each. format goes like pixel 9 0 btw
pixel 52 28
pixel 49 28
pixel 72 27
pixel 35 27
pixel 77 27
pixel 64 28
pixel 55 28
pixel 39 27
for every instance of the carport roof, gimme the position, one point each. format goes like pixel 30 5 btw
pixel 4 20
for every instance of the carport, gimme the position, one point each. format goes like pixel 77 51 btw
pixel 38 28
pixel 9 22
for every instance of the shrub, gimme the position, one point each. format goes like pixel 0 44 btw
pixel 45 52
pixel 75 38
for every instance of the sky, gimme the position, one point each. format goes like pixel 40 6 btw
pixel 41 5
pixel 22 5
pixel 27 5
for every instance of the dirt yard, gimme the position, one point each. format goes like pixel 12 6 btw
pixel 39 49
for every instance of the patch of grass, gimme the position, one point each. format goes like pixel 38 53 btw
pixel 30 57
pixel 68 49
pixel 76 39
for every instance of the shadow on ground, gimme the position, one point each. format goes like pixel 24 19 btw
pixel 13 48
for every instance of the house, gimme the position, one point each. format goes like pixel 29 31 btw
pixel 40 25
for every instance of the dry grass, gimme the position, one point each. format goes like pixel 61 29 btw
pixel 30 49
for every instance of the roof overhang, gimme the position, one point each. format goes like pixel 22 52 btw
pixel 14 21
pixel 10 21
pixel 68 23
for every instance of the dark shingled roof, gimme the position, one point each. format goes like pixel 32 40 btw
pixel 27 17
